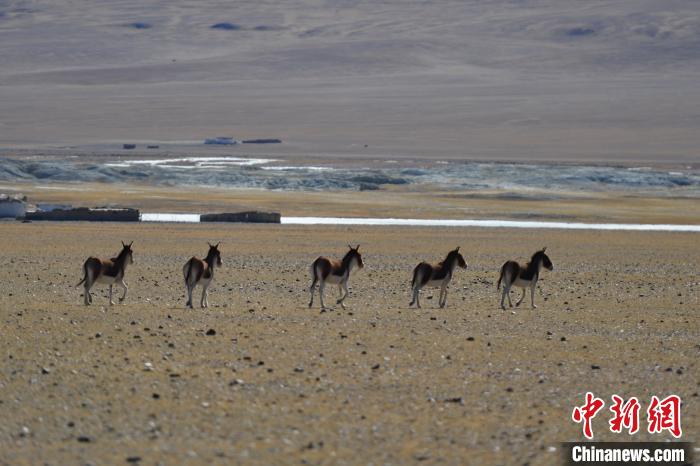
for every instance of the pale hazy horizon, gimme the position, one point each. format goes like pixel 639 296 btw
pixel 516 80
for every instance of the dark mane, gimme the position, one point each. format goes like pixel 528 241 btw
pixel 531 267
pixel 348 257
pixel 122 254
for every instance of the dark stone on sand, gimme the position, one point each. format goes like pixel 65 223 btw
pixel 211 331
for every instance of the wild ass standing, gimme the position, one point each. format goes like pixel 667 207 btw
pixel 438 274
pixel 110 271
pixel 325 270
pixel 523 277
pixel 198 271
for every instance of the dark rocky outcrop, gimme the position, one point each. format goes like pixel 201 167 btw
pixel 244 217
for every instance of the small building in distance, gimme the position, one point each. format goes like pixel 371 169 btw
pixel 12 206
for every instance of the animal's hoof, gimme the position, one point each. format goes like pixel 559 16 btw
pixel 534 306
pixel 503 308
pixel 517 304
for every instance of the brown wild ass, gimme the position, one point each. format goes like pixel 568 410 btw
pixel 514 274
pixel 198 271
pixel 110 271
pixel 438 274
pixel 325 270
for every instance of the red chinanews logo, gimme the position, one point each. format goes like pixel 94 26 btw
pixel 661 415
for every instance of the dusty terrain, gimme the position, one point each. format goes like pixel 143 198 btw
pixel 496 79
pixel 377 383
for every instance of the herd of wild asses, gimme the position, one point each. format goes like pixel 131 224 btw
pixel 323 271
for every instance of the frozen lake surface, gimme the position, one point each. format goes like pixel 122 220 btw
pixel 194 218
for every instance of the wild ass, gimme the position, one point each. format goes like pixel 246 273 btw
pixel 523 277
pixel 438 274
pixel 110 271
pixel 325 270
pixel 198 271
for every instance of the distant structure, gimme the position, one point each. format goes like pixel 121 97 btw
pixel 86 214
pixel 153 146
pixel 243 217
pixel 221 141
pixel 12 206
pixel 129 146
pixel 262 141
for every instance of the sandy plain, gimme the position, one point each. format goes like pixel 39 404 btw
pixel 376 383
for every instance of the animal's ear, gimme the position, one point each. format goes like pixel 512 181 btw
pixel 349 246
pixel 358 247
pixel 131 243
pixel 123 245
pixel 457 249
pixel 209 244
pixel 217 244
pixel 544 249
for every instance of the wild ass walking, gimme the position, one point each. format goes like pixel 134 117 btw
pixel 198 271
pixel 523 277
pixel 110 271
pixel 438 274
pixel 325 270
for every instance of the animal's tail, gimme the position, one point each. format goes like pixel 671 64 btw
pixel 500 278
pixel 187 271
pixel 415 276
pixel 85 272
pixel 314 273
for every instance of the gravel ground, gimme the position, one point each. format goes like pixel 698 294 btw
pixel 260 378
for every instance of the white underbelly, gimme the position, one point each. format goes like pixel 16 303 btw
pixel 436 283
pixel 106 279
pixel 204 281
pixel 334 279
pixel 520 283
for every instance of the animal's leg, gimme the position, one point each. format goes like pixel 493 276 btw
pixel 122 283
pixel 343 286
pixel 414 292
pixel 312 290
pixel 521 298
pixel 188 289
pixel 443 296
pixel 111 303
pixel 532 296
pixel 321 286
pixel 203 301
pixel 418 297
pixel 87 298
pixel 510 303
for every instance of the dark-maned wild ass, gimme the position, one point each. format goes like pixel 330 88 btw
pixel 514 274
pixel 325 270
pixel 198 271
pixel 438 274
pixel 109 271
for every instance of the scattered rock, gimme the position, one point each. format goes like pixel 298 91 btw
pixel 211 332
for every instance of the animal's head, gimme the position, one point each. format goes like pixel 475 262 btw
pixel 541 256
pixel 354 254
pixel 215 254
pixel 127 252
pixel 457 257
